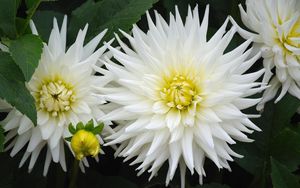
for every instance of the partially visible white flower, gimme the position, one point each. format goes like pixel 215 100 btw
pixel 4 106
pixel 62 86
pixel 276 24
pixel 3 47
pixel 178 97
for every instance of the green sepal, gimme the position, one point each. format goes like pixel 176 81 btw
pixel 98 129
pixel 72 129
pixel 68 138
pixel 89 126
pixel 79 126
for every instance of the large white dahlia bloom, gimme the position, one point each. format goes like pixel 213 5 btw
pixel 62 86
pixel 276 24
pixel 178 96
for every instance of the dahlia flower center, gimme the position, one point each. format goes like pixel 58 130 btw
pixel 179 92
pixel 55 97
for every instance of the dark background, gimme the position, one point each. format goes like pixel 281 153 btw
pixel 111 172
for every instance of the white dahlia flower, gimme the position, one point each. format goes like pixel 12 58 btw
pixel 276 24
pixel 178 96
pixel 62 86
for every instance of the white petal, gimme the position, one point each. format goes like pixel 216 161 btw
pixel 20 143
pixel 187 149
pixel 55 153
pixel 204 132
pixel 25 125
pixel 56 137
pixel 160 138
pixel 47 129
pixel 47 162
pixel 34 156
pixel 160 108
pixel 42 117
pixel 173 119
pixel 35 139
pixel 175 151
pixel 82 107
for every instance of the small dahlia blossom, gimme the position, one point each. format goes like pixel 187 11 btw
pixel 85 143
pixel 179 97
pixel 276 24
pixel 62 86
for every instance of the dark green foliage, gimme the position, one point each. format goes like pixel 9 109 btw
pixel 8 18
pixel 110 14
pixel 43 20
pixel 26 52
pixel 282 177
pixel 277 140
pixel 12 87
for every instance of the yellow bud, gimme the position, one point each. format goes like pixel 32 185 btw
pixel 85 143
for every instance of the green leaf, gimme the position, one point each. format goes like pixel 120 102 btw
pixel 273 122
pixel 286 148
pixel 282 177
pixel 26 51
pixel 12 87
pixel 31 3
pixel 43 21
pixel 181 5
pixel 111 14
pixel 8 17
pixel 98 129
pixel 1 139
pixel 18 3
pixel 20 22
pixel 71 128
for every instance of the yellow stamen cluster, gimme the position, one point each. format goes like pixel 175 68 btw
pixel 55 97
pixel 294 37
pixel 179 92
pixel 84 143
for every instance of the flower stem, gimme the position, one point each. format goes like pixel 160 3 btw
pixel 74 174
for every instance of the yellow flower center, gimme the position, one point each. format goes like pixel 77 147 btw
pixel 294 37
pixel 179 92
pixel 84 143
pixel 55 97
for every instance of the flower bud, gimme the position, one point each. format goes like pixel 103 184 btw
pixel 84 143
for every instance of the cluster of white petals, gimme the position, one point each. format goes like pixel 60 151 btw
pixel 63 88
pixel 276 24
pixel 178 97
